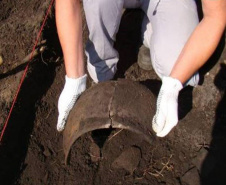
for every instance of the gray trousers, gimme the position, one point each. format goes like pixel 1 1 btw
pixel 171 27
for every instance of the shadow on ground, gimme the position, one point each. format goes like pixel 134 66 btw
pixel 39 79
pixel 214 165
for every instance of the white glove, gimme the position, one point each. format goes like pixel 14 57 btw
pixel 72 89
pixel 166 116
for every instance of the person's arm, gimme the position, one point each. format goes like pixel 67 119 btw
pixel 69 27
pixel 199 47
pixel 203 40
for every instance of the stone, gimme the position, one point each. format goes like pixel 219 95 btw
pixel 47 152
pixel 198 161
pixel 94 152
pixel 1 60
pixel 128 160
pixel 191 177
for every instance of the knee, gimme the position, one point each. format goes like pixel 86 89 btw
pixel 98 5
pixel 163 61
pixel 95 10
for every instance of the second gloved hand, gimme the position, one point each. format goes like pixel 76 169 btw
pixel 72 89
pixel 166 116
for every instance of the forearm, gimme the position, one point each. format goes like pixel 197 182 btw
pixel 69 27
pixel 199 47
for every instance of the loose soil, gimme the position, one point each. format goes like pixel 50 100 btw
pixel 31 151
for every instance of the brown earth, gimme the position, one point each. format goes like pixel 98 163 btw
pixel 31 151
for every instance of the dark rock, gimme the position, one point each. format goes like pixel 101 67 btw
pixel 198 161
pixel 128 160
pixel 191 177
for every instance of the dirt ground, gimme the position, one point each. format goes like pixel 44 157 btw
pixel 31 152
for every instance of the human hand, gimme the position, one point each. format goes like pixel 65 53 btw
pixel 166 116
pixel 72 89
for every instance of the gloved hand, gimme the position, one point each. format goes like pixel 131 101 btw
pixel 166 116
pixel 72 89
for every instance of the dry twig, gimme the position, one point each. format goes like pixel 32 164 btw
pixel 115 134
pixel 157 173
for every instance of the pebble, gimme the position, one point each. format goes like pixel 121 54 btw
pixel 1 60
pixel 47 152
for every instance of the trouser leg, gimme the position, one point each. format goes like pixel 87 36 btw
pixel 172 22
pixel 103 19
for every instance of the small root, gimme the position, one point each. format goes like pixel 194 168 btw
pixel 47 116
pixel 43 60
pixel 115 134
pixel 159 173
